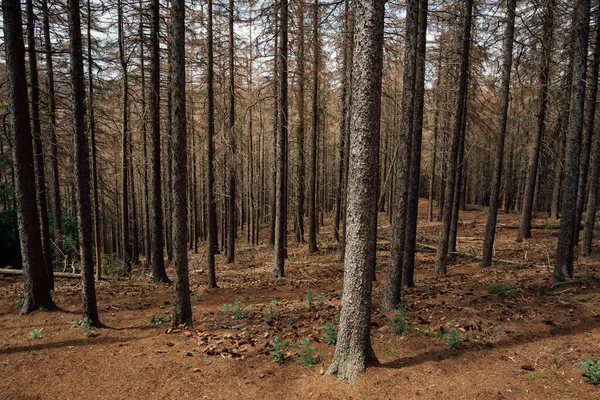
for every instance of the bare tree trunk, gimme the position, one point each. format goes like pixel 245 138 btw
pixel 147 244
pixel 213 245
pixel 534 152
pixel 300 130
pixel 436 127
pixel 490 226
pixel 353 350
pixel 182 309
pixel 37 140
pixel 442 250
pixel 35 276
pixel 312 176
pixel 159 273
pixel 282 130
pixel 82 167
pixel 563 269
pixel 232 145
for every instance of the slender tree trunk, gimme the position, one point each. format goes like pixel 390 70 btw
pixel 82 167
pixel 213 245
pixel 37 140
pixel 159 273
pixel 312 176
pixel 563 269
pixel 282 130
pixel 182 309
pixel 434 151
pixel 300 130
pixel 534 154
pixel 232 144
pixel 353 350
pixel 35 276
pixel 490 226
pixel 147 244
pixel 442 250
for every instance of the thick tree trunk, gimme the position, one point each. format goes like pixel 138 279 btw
pixel 442 252
pixel 159 273
pixel 353 350
pixel 82 167
pixel 490 226
pixel 563 268
pixel 35 276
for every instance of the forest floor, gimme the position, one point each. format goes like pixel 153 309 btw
pixel 521 336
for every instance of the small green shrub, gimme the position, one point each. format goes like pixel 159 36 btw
pixel 531 376
pixel 590 369
pixel 306 354
pixel 397 322
pixel 198 298
pixel 87 322
pixel 269 317
pixel 501 289
pixel 453 339
pixel 20 303
pixel 36 334
pixel 330 334
pixel 237 308
pixel 157 319
pixel 278 350
pixel 291 319
pixel 309 298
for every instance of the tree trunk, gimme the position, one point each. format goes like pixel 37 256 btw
pixel 353 350
pixel 213 245
pixel 300 130
pixel 82 167
pixel 490 226
pixel 147 244
pixel 441 254
pixel 231 145
pixel 312 176
pixel 563 269
pixel 35 276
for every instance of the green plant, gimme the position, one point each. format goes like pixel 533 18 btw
pixel 269 317
pixel 590 369
pixel 587 334
pixel 20 303
pixel 306 354
pixel 74 324
pixel 309 298
pixel 397 322
pixel 531 376
pixel 277 352
pixel 198 298
pixel 321 299
pixel 453 339
pixel 237 308
pixel 501 289
pixel 36 334
pixel 87 322
pixel 330 334
pixel 157 319
pixel 291 319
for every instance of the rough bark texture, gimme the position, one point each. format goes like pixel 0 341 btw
pixel 282 131
pixel 82 167
pixel 35 277
pixel 353 350
pixel 212 205
pixel 159 274
pixel 563 268
pixel 232 144
pixel 300 130
pixel 414 176
pixel 312 176
pixel 39 163
pixel 534 152
pixel 490 226
pixel 182 308
pixel 442 250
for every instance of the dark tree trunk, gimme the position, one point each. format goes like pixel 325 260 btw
pixel 182 309
pixel 436 128
pixel 490 226
pixel 232 143
pixel 282 130
pixel 35 276
pixel 159 274
pixel 147 244
pixel 393 283
pixel 563 269
pixel 37 140
pixel 534 152
pixel 312 176
pixel 300 130
pixel 213 245
pixel 442 249
pixel 353 350
pixel 82 167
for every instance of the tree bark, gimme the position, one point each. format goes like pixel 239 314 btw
pixel 312 176
pixel 490 226
pixel 232 146
pixel 353 350
pixel 300 130
pixel 213 245
pixel 563 268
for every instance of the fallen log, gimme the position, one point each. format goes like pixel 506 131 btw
pixel 425 248
pixel 6 271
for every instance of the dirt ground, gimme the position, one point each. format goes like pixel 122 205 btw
pixel 521 336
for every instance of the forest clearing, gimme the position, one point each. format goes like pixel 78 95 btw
pixel 521 336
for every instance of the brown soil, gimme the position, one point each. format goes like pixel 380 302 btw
pixel 523 346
